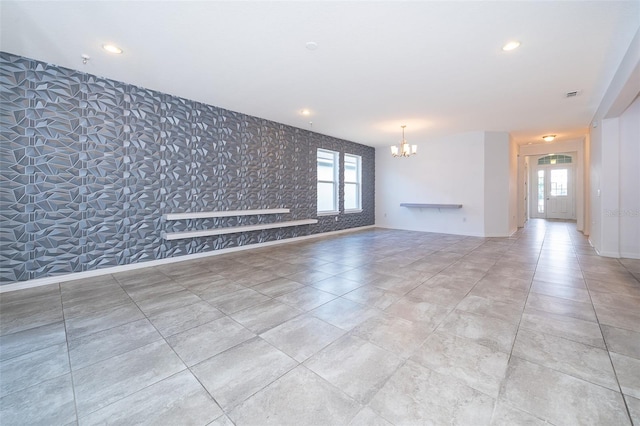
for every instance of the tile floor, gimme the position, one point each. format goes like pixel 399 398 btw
pixel 375 327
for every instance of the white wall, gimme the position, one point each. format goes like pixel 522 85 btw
pixel 614 162
pixel 447 170
pixel 629 212
pixel 475 169
pixel 499 199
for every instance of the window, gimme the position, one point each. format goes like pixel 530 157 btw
pixel 352 182
pixel 327 181
pixel 559 180
pixel 555 159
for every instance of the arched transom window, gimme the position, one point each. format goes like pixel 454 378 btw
pixel 555 159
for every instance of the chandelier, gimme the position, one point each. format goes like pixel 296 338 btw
pixel 404 149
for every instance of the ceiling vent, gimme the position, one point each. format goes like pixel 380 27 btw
pixel 572 94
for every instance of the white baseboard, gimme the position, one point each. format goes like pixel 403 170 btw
pixel 21 285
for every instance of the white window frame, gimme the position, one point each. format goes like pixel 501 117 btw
pixel 335 182
pixel 357 182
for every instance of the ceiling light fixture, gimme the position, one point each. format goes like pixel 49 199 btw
pixel 549 138
pixel 112 48
pixel 305 112
pixel 311 45
pixel 404 149
pixel 511 46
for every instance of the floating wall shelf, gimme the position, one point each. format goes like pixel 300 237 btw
pixel 228 213
pixel 431 206
pixel 235 229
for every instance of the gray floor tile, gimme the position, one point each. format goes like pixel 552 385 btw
pixel 506 415
pixel 570 328
pixel 417 395
pixel 277 287
pixel 634 408
pixel 180 319
pixel 373 296
pixel 418 311
pixel 368 417
pixel 33 368
pixel 355 366
pixel 628 372
pixel 336 285
pixel 394 334
pixel 85 307
pixel 47 403
pixel 106 382
pixel 343 313
pixel 222 421
pixel 619 340
pixel 577 359
pixel 560 306
pixel 620 318
pixel 202 342
pixel 149 290
pixel 306 298
pixel 178 399
pixel 94 321
pixel 167 302
pixel 442 296
pixel 265 316
pixel 104 344
pixel 33 339
pixel 615 300
pixel 492 308
pixel 49 290
pixel 282 403
pixel 302 336
pixel 25 316
pixel 234 375
pixel 478 366
pixel 562 291
pixel 238 300
pixel 560 398
pixel 491 332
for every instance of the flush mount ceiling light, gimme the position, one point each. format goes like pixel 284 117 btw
pixel 404 149
pixel 511 46
pixel 305 112
pixel 112 48
pixel 311 45
pixel 549 138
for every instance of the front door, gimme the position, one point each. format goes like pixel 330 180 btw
pixel 553 193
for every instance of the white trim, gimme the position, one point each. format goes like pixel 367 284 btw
pixel 349 211
pixel 21 285
pixel 235 229
pixel 228 213
pixel 328 213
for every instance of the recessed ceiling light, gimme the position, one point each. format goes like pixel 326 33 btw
pixel 305 112
pixel 511 45
pixel 112 48
pixel 549 138
pixel 311 45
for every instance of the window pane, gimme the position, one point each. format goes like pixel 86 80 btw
pixel 558 182
pixel 326 197
pixel 325 170
pixel 350 169
pixel 351 196
pixel 540 191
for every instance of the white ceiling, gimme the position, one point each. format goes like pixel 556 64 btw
pixel 437 67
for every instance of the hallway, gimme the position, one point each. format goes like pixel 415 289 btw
pixel 372 327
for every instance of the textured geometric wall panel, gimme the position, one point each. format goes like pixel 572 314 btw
pixel 88 166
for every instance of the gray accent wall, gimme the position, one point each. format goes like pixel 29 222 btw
pixel 89 165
